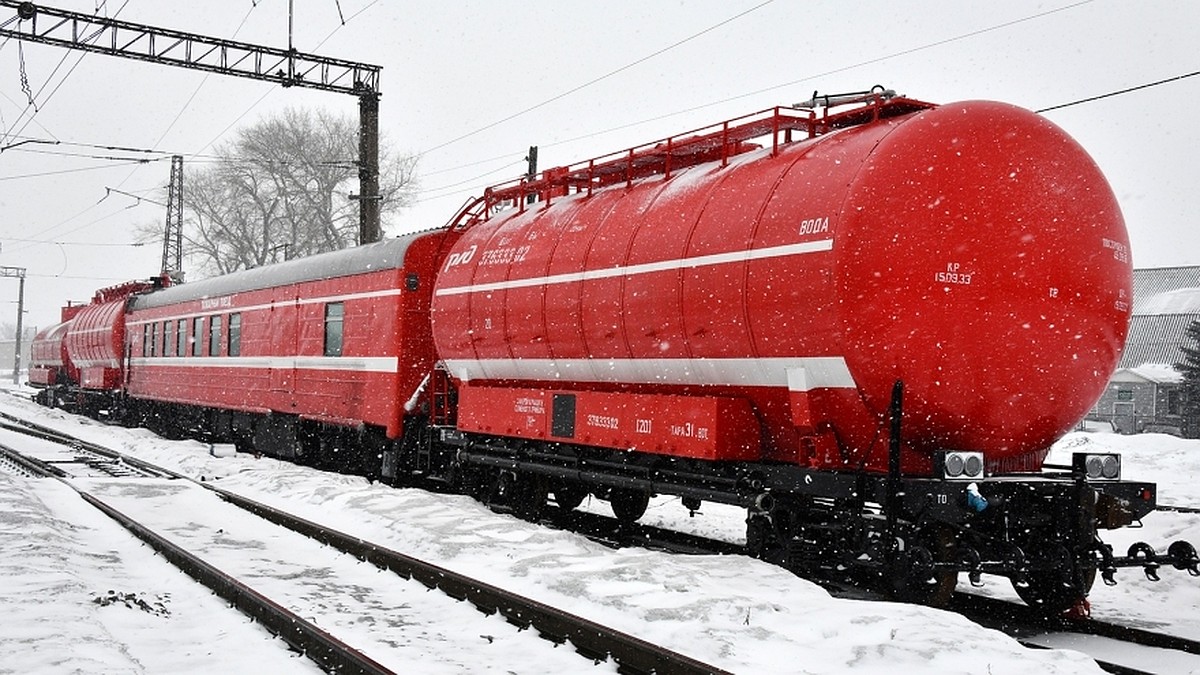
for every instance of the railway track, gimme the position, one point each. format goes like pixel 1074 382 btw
pixel 1178 509
pixel 1114 646
pixel 591 640
pixel 1145 649
pixel 1117 648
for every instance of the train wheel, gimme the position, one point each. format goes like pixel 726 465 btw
pixel 628 505
pixel 528 497
pixel 243 444
pixel 569 496
pixel 1058 586
pixel 763 539
pixel 479 484
pixel 914 577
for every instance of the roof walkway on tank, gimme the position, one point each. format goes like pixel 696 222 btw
pixel 717 142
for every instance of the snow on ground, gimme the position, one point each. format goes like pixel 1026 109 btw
pixel 70 604
pixel 733 612
pixel 1172 604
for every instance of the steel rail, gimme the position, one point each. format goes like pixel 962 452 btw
pixel 590 639
pixel 1178 509
pixel 1017 620
pixel 326 650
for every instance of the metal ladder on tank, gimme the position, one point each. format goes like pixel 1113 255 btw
pixel 442 415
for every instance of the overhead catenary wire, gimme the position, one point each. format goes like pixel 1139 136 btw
pixel 76 170
pixel 425 194
pixel 598 79
pixel 60 82
pixel 1119 92
pixel 938 43
pixel 262 98
pixel 208 144
pixel 905 52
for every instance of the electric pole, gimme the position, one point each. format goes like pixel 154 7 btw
pixel 172 254
pixel 286 67
pixel 19 273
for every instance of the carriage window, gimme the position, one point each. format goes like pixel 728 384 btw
pixel 146 340
pixel 168 338
pixel 214 336
pixel 334 312
pixel 197 334
pixel 152 329
pixel 181 336
pixel 235 335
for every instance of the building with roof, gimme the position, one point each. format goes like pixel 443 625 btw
pixel 1146 398
pixel 1166 300
pixel 1145 393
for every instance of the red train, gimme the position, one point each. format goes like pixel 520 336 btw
pixel 864 321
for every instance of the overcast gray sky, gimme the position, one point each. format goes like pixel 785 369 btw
pixel 456 68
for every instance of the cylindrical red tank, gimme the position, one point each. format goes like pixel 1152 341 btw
pixel 96 345
pixel 48 361
pixel 973 251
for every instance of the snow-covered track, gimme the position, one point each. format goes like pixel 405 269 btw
pixel 592 640
pixel 328 651
pixel 1178 509
pixel 1116 648
pixel 589 638
pixel 303 635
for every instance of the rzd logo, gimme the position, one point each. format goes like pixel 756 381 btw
pixel 460 258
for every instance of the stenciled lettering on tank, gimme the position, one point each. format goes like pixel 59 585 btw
pixel 689 430
pixel 529 405
pixel 1122 302
pixel 817 225
pixel 1120 251
pixel 604 422
pixel 954 274
pixel 504 256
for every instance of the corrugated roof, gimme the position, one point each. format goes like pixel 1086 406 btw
pixel 1166 300
pixel 1158 290
pixel 1156 339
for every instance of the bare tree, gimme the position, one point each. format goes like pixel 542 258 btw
pixel 279 190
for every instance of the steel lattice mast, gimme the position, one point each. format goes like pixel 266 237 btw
pixel 172 255
pixel 286 67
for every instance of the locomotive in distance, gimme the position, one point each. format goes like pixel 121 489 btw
pixel 865 320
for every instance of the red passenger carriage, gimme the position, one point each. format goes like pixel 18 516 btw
pixel 293 358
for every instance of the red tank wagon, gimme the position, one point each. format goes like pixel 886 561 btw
pixel 866 320
pixel 289 358
pixel 973 251
pixel 48 362
pixel 95 345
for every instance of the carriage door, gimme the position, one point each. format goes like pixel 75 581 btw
pixel 284 340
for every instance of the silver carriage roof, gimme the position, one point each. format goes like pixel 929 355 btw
pixel 387 254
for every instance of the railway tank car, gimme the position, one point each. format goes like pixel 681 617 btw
pixel 93 350
pixel 972 251
pixel 822 316
pixel 50 368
